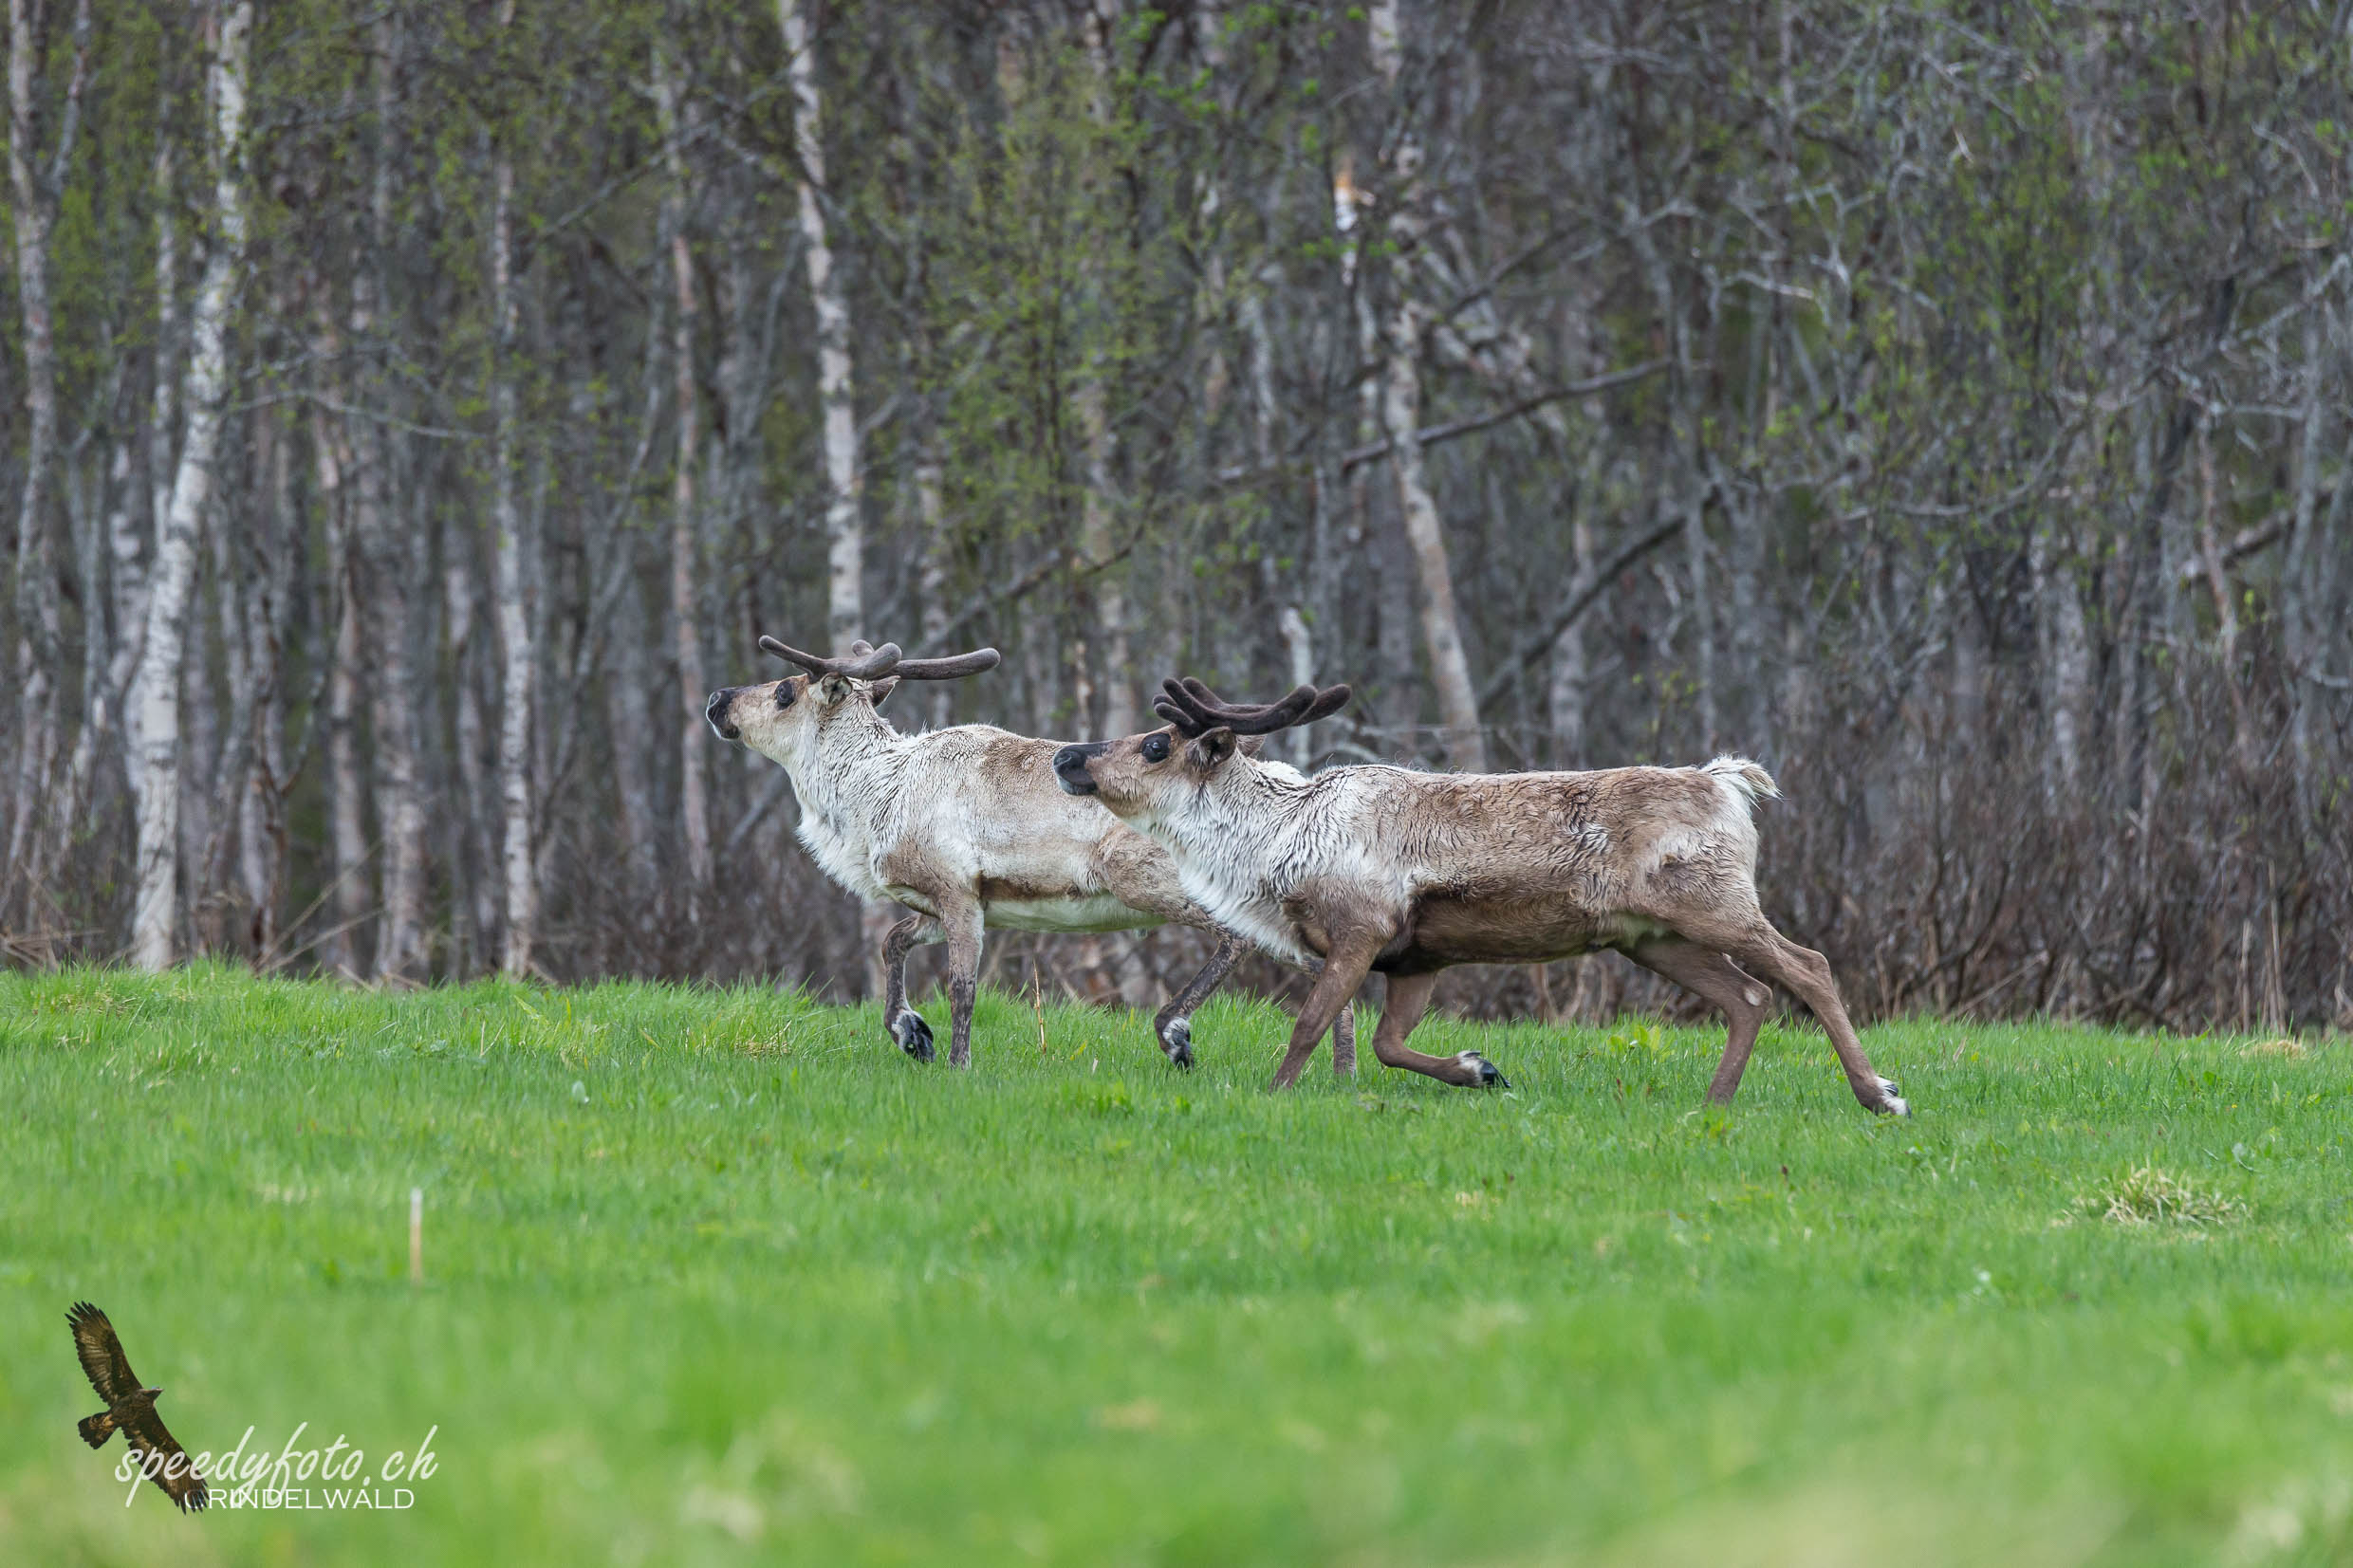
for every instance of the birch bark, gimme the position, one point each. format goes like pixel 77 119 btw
pixel 1401 414
pixel 685 518
pixel 37 190
pixel 388 551
pixel 156 686
pixel 845 610
pixel 510 573
pixel 1095 502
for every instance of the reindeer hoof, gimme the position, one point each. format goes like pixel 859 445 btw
pixel 1892 1103
pixel 1177 1039
pixel 1489 1076
pixel 913 1034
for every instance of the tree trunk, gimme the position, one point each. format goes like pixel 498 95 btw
pixel 1441 629
pixel 381 550
pixel 155 920
pixel 510 575
pixel 685 520
pixel 845 610
pixel 1401 420
pixel 261 820
pixel 210 808
pixel 340 948
pixel 629 713
pixel 1113 662
pixel 385 546
pixel 1564 694
pixel 130 533
pixel 931 515
pixel 36 192
pixel 473 916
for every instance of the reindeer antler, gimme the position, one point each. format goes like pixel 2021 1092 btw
pixel 1194 709
pixel 867 662
pixel 863 663
pixel 953 668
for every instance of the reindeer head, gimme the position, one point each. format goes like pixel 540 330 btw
pixel 1136 775
pixel 782 719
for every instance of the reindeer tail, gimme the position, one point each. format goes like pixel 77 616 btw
pixel 94 1430
pixel 1750 781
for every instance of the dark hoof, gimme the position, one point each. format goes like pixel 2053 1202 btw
pixel 913 1034
pixel 1489 1076
pixel 1891 1103
pixel 1177 1039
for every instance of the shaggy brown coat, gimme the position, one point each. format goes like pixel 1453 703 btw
pixel 1385 869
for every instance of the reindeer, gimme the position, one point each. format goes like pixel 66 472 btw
pixel 965 828
pixel 1383 868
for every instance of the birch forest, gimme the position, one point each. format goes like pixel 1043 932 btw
pixel 414 408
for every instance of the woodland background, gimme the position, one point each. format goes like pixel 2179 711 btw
pixel 413 408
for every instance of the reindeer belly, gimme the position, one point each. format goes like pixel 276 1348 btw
pixel 1098 912
pixel 1443 931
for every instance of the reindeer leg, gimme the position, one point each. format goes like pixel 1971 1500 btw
pixel 1344 1028
pixel 1401 1010
pixel 1335 988
pixel 906 1026
pixel 1745 1001
pixel 963 924
pixel 1344 1040
pixel 1173 1023
pixel 1765 952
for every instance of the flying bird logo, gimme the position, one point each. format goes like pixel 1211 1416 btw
pixel 130 1409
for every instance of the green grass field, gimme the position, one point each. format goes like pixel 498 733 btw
pixel 720 1276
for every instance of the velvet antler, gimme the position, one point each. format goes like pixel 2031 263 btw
pixel 1194 709
pixel 863 663
pixel 866 662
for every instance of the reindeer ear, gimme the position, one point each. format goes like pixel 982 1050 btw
pixel 881 690
pixel 832 689
pixel 1250 746
pixel 1211 750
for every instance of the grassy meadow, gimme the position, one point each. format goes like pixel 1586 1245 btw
pixel 719 1277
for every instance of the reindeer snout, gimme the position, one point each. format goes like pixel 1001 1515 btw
pixel 1071 768
pixel 715 712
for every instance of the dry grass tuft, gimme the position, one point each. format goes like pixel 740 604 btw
pixel 2148 1196
pixel 2295 1050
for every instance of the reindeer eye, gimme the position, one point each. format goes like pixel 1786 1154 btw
pixel 784 694
pixel 1156 748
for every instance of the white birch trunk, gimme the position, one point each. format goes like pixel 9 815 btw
pixel 1401 419
pixel 845 540
pixel 1564 691
pixel 36 191
pixel 685 521
pixel 1113 662
pixel 156 686
pixel 509 574
pixel 2067 655
pixel 932 512
pixel 163 406
pixel 1441 627
pixel 388 546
